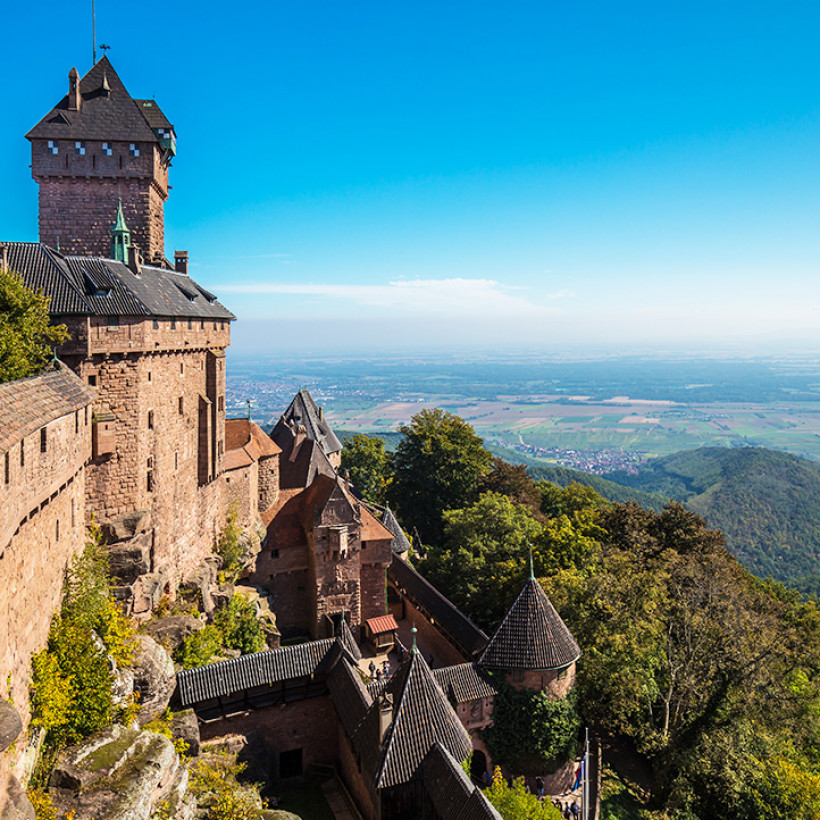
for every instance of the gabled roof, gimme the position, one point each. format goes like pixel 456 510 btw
pixel 421 716
pixel 303 410
pixel 243 434
pixel 28 404
pixel 462 630
pixel 372 528
pixel 452 793
pixel 531 636
pixel 111 116
pixel 259 669
pixel 400 543
pixel 464 682
pixel 301 462
pixel 78 285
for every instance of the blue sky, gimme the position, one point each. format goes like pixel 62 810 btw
pixel 535 175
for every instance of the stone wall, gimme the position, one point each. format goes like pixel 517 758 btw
pixel 558 682
pixel 268 482
pixel 79 194
pixel 309 725
pixel 444 653
pixel 32 570
pixel 350 770
pixel 164 395
pixel 242 493
pixel 373 586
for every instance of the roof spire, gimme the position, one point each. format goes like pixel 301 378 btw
pixel 414 649
pixel 532 570
pixel 120 237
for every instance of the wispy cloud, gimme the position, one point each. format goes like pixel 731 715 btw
pixel 456 296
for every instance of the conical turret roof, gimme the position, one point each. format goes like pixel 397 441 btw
pixel 531 636
pixel 304 410
pixel 421 716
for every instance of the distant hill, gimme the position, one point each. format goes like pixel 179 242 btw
pixel 766 502
pixel 563 476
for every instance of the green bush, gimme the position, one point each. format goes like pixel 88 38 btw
pixel 228 546
pixel 515 803
pixel 198 649
pixel 239 627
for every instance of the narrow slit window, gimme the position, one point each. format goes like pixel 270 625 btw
pixel 8 469
pixel 43 440
pixel 150 419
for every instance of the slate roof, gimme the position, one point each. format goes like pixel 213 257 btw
pixel 112 117
pixel 350 696
pixel 460 627
pixel 452 793
pixel 349 642
pixel 300 464
pixel 421 716
pixel 304 410
pixel 464 682
pixel 94 286
pixel 259 669
pixel 28 404
pixel 531 636
pixel 400 544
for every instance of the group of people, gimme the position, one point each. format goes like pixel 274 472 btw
pixel 567 810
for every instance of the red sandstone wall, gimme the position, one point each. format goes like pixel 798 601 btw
pixel 268 482
pixel 162 366
pixel 444 653
pixel 309 725
pixel 353 778
pixel 32 569
pixel 242 492
pixel 79 195
pixel 373 588
pixel 559 682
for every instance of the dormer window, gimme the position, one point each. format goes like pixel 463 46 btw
pixel 79 148
pixel 52 147
pixel 107 149
pixel 134 149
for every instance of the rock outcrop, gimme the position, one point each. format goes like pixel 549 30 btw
pixel 14 805
pixel 171 631
pixel 119 774
pixel 154 678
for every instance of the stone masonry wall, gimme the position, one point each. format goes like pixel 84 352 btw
pixel 373 586
pixel 558 682
pixel 268 482
pixel 242 494
pixel 154 381
pixel 42 526
pixel 309 725
pixel 78 196
pixel 350 770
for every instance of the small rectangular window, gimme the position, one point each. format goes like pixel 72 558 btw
pixel 113 322
pixel 134 149
pixel 107 149
pixel 52 147
pixel 92 380
pixel 202 325
pixel 181 368
pixel 86 415
pixel 274 553
pixel 8 469
pixel 156 324
pixel 180 406
pixel 79 148
pixel 43 439
pixel 220 403
pixel 149 481
pixel 57 531
pixel 150 419
pixel 173 324
pixel 149 375
pixel 190 324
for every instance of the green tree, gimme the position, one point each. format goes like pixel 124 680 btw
pixel 370 466
pixel 516 803
pixel 26 338
pixel 483 562
pixel 437 466
pixel 198 648
pixel 512 480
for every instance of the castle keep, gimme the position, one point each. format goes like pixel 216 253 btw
pixel 127 425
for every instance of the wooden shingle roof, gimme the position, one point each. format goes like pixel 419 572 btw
pixel 465 682
pixel 421 717
pixel 28 404
pixel 531 636
pixel 452 793
pixel 463 631
pixel 259 669
pixel 400 544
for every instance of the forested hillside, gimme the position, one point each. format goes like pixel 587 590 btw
pixel 767 503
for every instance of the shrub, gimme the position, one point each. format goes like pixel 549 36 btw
pixel 515 803
pixel 218 791
pixel 228 546
pixel 198 648
pixel 239 626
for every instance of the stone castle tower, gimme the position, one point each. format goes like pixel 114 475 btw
pixel 97 147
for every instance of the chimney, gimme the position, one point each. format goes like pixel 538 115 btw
pixel 181 262
pixel 135 260
pixel 74 98
pixel 4 256
pixel 385 714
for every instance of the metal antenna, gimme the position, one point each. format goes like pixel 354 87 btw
pixel 93 34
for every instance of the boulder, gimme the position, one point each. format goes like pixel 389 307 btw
pixel 125 526
pixel 15 805
pixel 170 632
pixel 10 725
pixel 222 595
pixel 154 678
pixel 185 726
pixel 202 580
pixel 148 589
pixel 119 774
pixel 132 558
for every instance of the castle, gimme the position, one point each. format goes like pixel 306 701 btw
pixel 128 426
